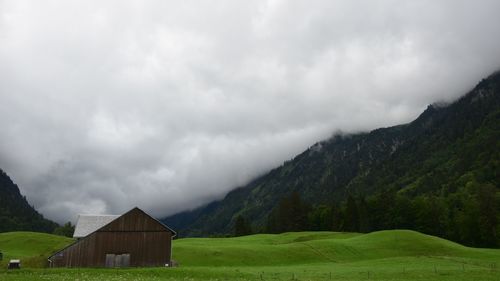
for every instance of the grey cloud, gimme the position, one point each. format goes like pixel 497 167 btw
pixel 168 105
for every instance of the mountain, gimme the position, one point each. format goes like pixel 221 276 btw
pixel 15 211
pixel 448 150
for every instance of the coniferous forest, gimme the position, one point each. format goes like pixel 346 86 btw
pixel 469 216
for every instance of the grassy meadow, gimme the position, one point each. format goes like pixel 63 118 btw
pixel 383 255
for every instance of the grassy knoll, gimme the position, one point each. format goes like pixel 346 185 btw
pixel 32 248
pixel 384 255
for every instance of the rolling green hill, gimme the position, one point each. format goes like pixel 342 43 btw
pixel 383 255
pixel 32 248
pixel 433 175
pixel 298 248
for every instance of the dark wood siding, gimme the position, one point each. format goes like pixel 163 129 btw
pixel 135 233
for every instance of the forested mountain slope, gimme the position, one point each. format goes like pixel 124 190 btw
pixel 441 166
pixel 15 211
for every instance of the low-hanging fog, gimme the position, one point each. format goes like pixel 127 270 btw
pixel 167 105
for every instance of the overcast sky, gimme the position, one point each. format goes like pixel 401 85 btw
pixel 167 105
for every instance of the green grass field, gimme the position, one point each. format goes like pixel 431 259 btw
pixel 384 255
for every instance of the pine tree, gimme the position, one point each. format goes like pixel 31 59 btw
pixel 488 211
pixel 351 215
pixel 66 230
pixel 363 215
pixel 241 226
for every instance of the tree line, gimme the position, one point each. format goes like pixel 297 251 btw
pixel 469 216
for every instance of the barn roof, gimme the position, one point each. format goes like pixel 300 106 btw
pixel 87 224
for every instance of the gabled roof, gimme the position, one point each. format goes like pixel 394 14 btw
pixel 87 224
pixel 123 223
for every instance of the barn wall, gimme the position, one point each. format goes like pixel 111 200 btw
pixel 146 249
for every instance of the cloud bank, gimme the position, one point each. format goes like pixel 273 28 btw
pixel 168 105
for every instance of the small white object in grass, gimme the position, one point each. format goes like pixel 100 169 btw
pixel 167 265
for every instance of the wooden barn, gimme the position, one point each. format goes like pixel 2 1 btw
pixel 132 239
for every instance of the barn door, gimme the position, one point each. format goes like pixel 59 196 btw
pixel 110 260
pixel 118 260
pixel 114 260
pixel 125 260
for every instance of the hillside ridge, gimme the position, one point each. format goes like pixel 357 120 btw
pixel 15 211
